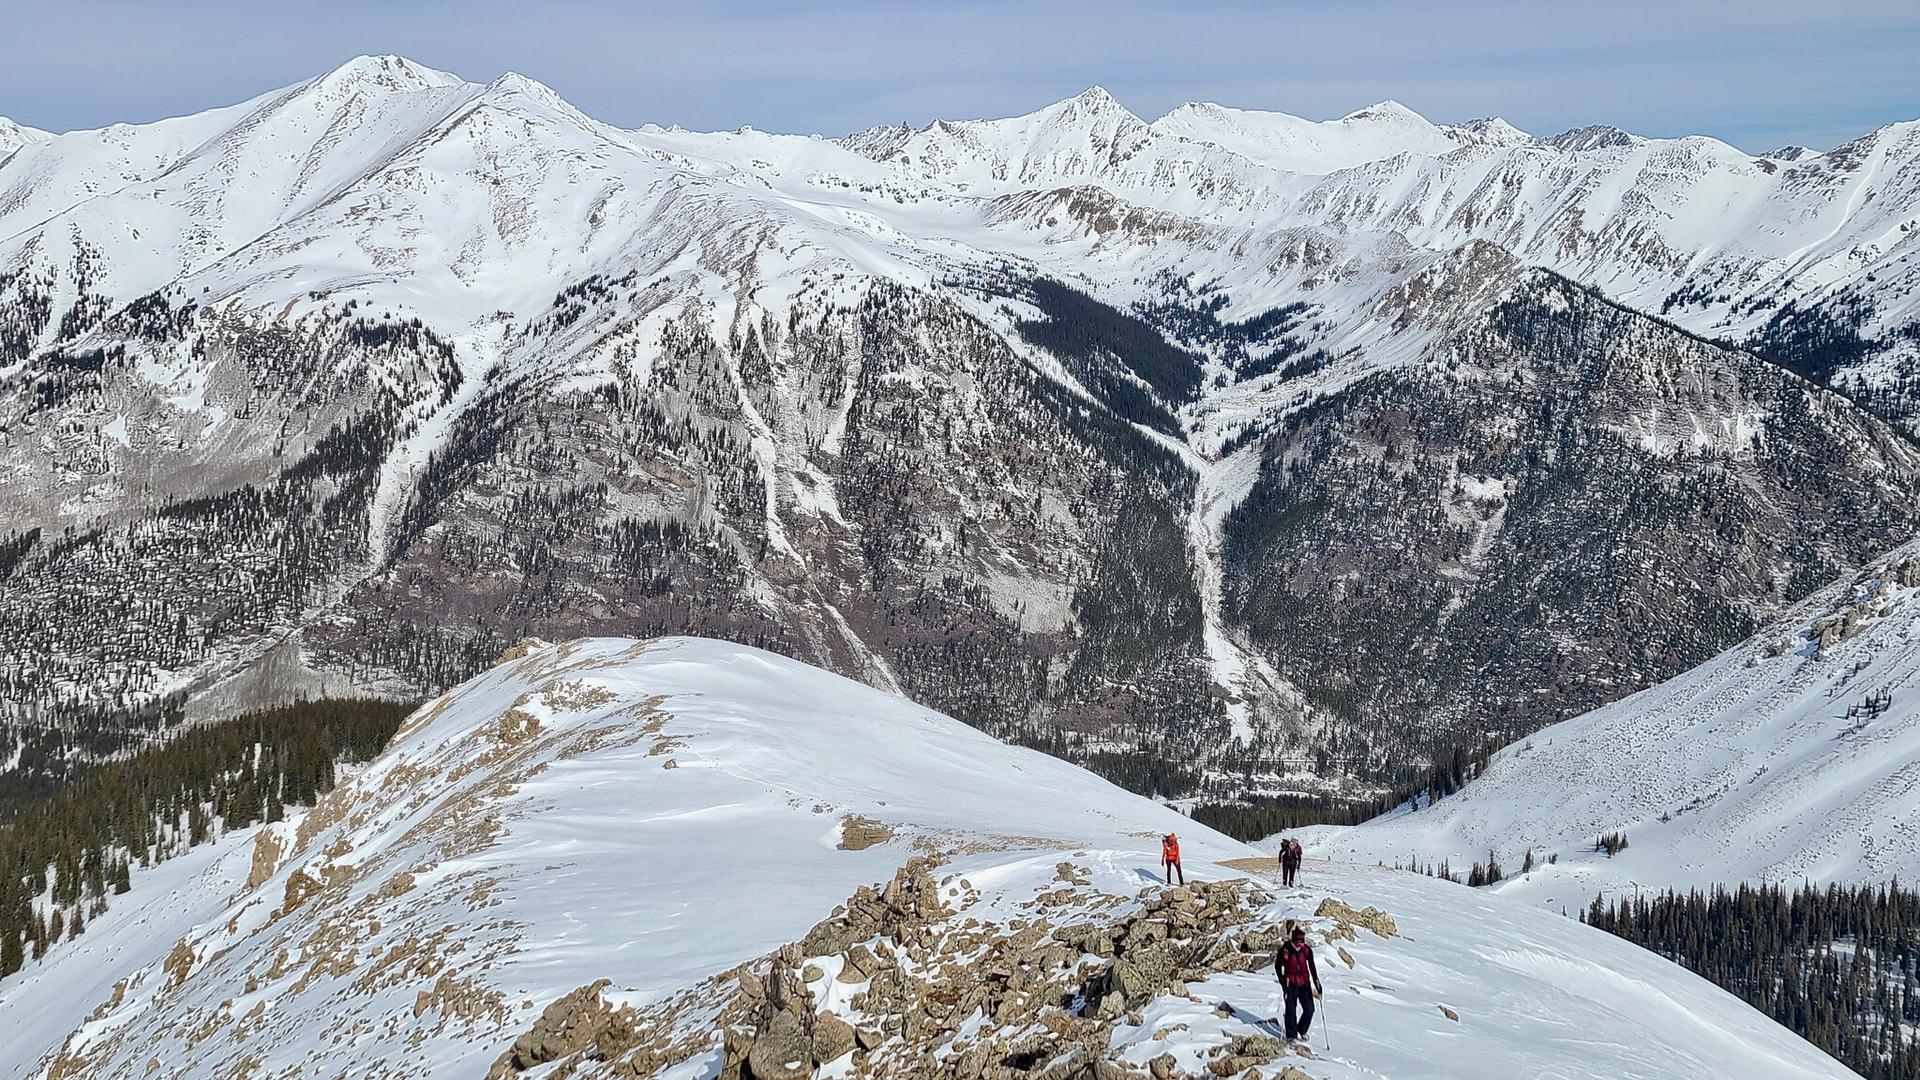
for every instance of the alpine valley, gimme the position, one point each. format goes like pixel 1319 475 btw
pixel 1223 453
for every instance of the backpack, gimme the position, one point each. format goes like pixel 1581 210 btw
pixel 1296 965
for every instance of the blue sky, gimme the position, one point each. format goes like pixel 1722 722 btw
pixel 1758 74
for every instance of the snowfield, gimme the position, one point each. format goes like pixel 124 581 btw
pixel 657 814
pixel 1793 757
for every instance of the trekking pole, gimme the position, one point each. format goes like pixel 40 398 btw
pixel 1325 1034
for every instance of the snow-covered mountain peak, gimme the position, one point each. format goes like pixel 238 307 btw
pixel 15 135
pixel 1385 111
pixel 384 72
pixel 1089 135
pixel 514 87
pixel 1290 143
pixel 1092 112
pixel 1094 101
pixel 1489 131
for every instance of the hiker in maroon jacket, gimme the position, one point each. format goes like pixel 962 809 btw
pixel 1300 979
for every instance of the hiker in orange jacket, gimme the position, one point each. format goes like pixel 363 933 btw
pixel 1170 856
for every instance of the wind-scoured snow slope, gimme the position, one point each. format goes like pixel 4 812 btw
pixel 654 814
pixel 1792 757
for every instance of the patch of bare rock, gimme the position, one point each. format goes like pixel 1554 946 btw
pixel 897 983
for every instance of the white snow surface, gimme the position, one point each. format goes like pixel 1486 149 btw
pixel 1748 768
pixel 14 135
pixel 47 998
pixel 1306 146
pixel 654 813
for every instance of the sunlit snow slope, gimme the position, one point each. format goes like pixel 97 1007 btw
pixel 1792 757
pixel 655 813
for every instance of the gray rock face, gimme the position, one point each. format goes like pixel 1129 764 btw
pixel 1567 502
pixel 1582 502
pixel 781 1051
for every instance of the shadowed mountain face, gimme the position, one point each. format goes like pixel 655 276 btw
pixel 1576 501
pixel 1227 449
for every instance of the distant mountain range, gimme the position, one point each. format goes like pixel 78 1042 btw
pixel 1229 449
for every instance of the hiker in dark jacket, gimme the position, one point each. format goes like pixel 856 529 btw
pixel 1290 858
pixel 1300 979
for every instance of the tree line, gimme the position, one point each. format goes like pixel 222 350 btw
pixel 1839 965
pixel 64 856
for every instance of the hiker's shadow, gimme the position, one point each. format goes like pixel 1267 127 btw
pixel 1270 1027
pixel 1145 874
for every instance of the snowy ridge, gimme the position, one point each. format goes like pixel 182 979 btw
pixel 655 813
pixel 1792 757
pixel 15 135
pixel 411 191
pixel 369 159
pixel 1305 146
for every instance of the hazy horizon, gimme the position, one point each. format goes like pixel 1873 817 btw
pixel 1756 75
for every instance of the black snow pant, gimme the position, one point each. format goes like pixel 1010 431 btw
pixel 1301 996
pixel 1287 873
pixel 1173 867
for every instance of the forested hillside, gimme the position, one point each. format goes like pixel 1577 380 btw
pixel 66 854
pixel 1840 965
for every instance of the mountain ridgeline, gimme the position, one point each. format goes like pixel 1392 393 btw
pixel 1200 451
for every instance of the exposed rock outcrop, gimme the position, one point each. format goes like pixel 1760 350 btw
pixel 924 991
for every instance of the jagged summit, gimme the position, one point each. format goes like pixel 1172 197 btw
pixel 1385 110
pixel 1490 131
pixel 1593 137
pixel 1096 98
